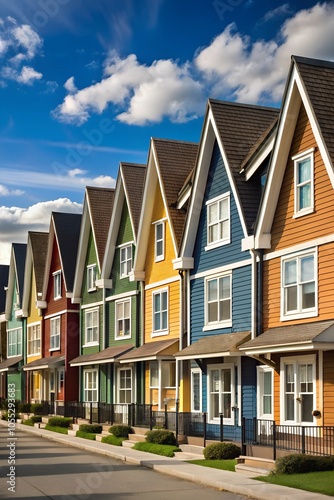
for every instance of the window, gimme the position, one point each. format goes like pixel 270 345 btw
pixel 218 301
pixel 159 241
pixel 91 277
pixel 14 342
pixel 34 339
pixel 123 323
pixel 126 261
pixel 218 221
pixel 196 384
pixel 299 286
pixel 55 333
pixel 168 374
pixel 221 398
pixel 125 385
pixel 57 285
pixel 90 385
pixel 154 374
pixel 92 326
pixel 265 393
pixel 304 189
pixel 160 311
pixel 298 387
pixel 61 377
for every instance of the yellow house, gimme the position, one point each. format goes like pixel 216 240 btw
pixel 170 163
pixel 33 282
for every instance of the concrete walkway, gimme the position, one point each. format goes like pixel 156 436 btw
pixel 221 480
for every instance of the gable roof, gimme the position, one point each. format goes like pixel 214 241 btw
pixel 65 229
pixel 4 272
pixel 97 211
pixel 238 130
pixel 35 258
pixel 169 164
pixel 129 187
pixel 16 276
pixel 310 82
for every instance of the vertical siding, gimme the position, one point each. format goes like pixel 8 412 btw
pixel 248 387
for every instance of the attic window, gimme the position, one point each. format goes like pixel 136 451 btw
pixel 91 277
pixel 218 221
pixel 57 285
pixel 304 183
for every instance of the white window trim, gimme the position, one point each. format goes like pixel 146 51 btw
pixel 309 313
pixel 95 342
pixel 222 242
pixel 296 360
pixel 162 222
pixel 61 378
pixel 121 337
pixel 296 159
pixel 217 324
pixel 123 369
pixel 55 274
pixel 197 371
pixel 85 372
pixel 18 330
pixel 121 247
pixel 90 269
pixel 30 327
pixel 260 415
pixel 231 366
pixel 157 333
pixel 52 320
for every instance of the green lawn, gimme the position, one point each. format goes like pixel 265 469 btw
pixel 216 464
pixel 317 482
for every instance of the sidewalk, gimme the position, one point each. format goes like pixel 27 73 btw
pixel 221 480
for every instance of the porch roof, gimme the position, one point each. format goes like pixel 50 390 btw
pixel 109 355
pixel 43 363
pixel 161 349
pixel 302 337
pixel 9 362
pixel 225 344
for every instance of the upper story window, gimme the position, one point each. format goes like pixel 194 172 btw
pixel 160 312
pixel 159 241
pixel 14 342
pixel 34 339
pixel 299 285
pixel 304 183
pixel 91 277
pixel 218 221
pixel 57 285
pixel 123 319
pixel 92 326
pixel 126 261
pixel 218 301
pixel 55 333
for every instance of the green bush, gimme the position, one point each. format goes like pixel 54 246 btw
pixel 158 449
pixel 299 463
pixel 112 439
pixel 161 436
pixel 121 430
pixel 86 435
pixel 28 422
pixel 24 407
pixel 60 422
pixel 36 409
pixel 35 419
pixel 221 451
pixel 4 416
pixel 92 428
pixel 54 428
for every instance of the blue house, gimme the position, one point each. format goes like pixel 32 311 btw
pixel 219 266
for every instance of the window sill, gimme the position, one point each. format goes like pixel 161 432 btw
pixel 217 244
pixel 123 337
pixel 303 212
pixel 54 349
pixel 217 326
pixel 89 290
pixel 160 333
pixel 302 315
pixel 90 344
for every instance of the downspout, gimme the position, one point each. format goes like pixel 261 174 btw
pixel 254 294
pixel 257 292
pixel 260 293
pixel 179 367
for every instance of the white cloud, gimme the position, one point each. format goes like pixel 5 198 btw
pixel 51 87
pixel 69 85
pixel 4 191
pixel 27 38
pixel 15 222
pixel 27 75
pixel 282 10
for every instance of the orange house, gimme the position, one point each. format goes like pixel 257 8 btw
pixel 295 239
pixel 159 235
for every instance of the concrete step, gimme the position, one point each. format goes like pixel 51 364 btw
pixel 257 462
pixel 251 471
pixel 127 443
pixel 137 438
pixel 193 449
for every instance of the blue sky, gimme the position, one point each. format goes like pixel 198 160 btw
pixel 84 85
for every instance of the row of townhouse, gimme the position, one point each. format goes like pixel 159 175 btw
pixel 205 280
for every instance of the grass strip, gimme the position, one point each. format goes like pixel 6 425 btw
pixel 316 482
pixel 165 450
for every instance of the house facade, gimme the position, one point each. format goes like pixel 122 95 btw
pixel 4 271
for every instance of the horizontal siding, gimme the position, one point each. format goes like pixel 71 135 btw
pixel 123 285
pixel 286 230
pixel 218 184
pixel 173 313
pixel 97 348
pixel 112 324
pixel 91 258
pixel 328 410
pixel 248 387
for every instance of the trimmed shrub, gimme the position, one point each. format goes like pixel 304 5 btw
pixel 121 430
pixel 36 409
pixel 161 436
pixel 85 435
pixel 158 449
pixel 60 422
pixel 299 463
pixel 28 422
pixel 54 428
pixel 35 419
pixel 221 451
pixel 112 439
pixel 91 428
pixel 24 407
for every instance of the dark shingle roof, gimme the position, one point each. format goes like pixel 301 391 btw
pixel 214 345
pixel 4 272
pixel 67 229
pixel 39 247
pixel 134 179
pixel 20 250
pixel 108 355
pixel 101 202
pixel 318 79
pixel 240 127
pixel 176 159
